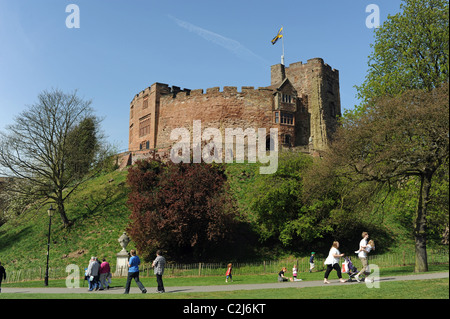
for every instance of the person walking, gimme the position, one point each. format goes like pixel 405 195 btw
pixel 133 273
pixel 228 274
pixel 362 254
pixel 105 270
pixel 332 262
pixel 2 275
pixel 93 273
pixel 311 261
pixel 158 265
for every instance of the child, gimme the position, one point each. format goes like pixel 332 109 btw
pixel 370 246
pixel 294 272
pixel 228 273
pixel 311 262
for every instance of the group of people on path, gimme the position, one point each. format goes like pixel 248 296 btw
pixel 99 274
pixel 334 255
pixel 133 272
pixel 333 261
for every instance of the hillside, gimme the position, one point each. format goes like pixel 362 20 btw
pixel 99 213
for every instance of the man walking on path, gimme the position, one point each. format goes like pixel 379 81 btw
pixel 93 274
pixel 158 265
pixel 2 275
pixel 362 254
pixel 133 273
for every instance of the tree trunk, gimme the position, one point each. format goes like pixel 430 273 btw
pixel 62 211
pixel 421 223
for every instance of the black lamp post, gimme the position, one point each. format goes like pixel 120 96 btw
pixel 50 212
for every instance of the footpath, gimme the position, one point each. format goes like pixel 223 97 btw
pixel 229 287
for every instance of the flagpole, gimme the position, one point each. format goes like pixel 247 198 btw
pixel 282 44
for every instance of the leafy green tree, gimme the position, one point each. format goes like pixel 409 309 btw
pixel 277 200
pixel 411 51
pixel 83 146
pixel 396 138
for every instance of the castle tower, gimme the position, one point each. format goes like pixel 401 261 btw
pixel 319 85
pixel 302 102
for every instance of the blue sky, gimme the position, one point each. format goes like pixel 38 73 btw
pixel 122 47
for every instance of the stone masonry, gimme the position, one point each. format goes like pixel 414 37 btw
pixel 302 101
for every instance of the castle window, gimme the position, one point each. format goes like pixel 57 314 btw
pixel 332 109
pixel 330 86
pixel 270 143
pixel 277 117
pixel 145 102
pixel 131 111
pixel 286 140
pixel 144 126
pixel 287 118
pixel 287 98
pixel 131 134
pixel 144 145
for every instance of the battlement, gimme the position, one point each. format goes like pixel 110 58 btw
pixel 158 109
pixel 213 92
pixel 312 63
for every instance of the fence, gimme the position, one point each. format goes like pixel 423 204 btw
pixel 404 258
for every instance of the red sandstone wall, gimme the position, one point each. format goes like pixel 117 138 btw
pixel 228 109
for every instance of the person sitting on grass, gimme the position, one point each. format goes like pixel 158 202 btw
pixel 282 277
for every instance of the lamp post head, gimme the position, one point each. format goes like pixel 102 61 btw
pixel 50 211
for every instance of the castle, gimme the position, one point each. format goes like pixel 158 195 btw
pixel 302 102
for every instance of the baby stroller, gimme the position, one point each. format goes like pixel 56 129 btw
pixel 350 269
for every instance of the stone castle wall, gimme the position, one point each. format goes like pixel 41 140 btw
pixel 315 105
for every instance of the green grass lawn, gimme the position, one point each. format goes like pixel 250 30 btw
pixel 417 289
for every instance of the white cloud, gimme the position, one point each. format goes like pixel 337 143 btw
pixel 229 44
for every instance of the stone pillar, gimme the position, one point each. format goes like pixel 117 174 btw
pixel 122 256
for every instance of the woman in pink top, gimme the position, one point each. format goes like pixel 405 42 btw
pixel 105 270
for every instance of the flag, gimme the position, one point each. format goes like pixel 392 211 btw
pixel 278 36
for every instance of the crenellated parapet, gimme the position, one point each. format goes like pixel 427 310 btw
pixel 302 101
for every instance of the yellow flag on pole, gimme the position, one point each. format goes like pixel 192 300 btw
pixel 278 36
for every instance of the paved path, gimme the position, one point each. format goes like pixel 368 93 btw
pixel 229 287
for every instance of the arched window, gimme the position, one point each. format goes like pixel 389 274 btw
pixel 270 143
pixel 332 109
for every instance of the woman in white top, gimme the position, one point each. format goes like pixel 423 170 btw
pixel 332 262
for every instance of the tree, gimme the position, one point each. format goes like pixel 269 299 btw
pixel 82 147
pixel 277 202
pixel 411 51
pixel 396 138
pixel 183 209
pixel 42 149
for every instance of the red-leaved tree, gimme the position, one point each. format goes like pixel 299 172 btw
pixel 183 209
